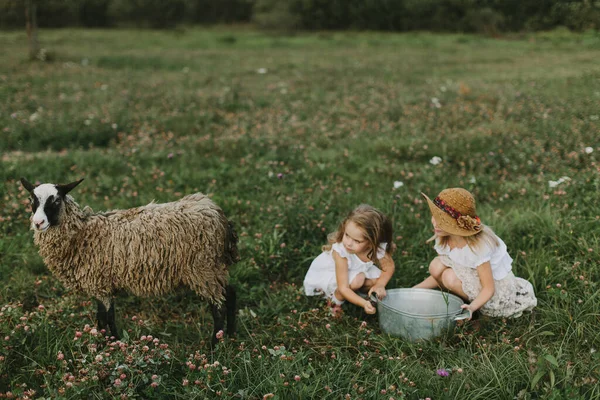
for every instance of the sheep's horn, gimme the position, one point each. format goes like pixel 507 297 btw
pixel 64 189
pixel 27 185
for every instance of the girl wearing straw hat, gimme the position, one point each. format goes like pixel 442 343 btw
pixel 472 260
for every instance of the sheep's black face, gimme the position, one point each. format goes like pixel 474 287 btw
pixel 47 202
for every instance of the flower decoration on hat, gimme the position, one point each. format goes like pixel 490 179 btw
pixel 463 221
pixel 469 223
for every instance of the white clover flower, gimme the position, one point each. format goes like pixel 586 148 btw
pixel 473 180
pixel 398 184
pixel 562 179
pixel 262 70
pixel 436 102
pixel 589 150
pixel 435 160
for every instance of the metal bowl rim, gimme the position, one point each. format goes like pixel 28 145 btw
pixel 437 293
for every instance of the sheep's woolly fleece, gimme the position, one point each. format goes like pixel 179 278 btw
pixel 147 251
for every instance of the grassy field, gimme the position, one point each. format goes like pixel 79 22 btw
pixel 288 134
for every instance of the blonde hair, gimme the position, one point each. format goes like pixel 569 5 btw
pixel 485 236
pixel 376 227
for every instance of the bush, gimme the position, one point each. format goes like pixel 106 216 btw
pixel 214 11
pixel 94 13
pixel 485 20
pixel 157 14
pixel 277 14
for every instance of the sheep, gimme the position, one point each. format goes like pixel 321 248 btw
pixel 146 251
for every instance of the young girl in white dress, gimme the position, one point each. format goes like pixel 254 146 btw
pixel 350 261
pixel 472 261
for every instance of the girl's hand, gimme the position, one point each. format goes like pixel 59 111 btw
pixel 379 291
pixel 369 309
pixel 468 307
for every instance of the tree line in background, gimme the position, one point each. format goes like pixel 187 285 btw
pixel 483 16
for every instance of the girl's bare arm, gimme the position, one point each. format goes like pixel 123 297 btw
pixel 343 285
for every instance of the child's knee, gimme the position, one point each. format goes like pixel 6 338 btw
pixel 449 279
pixel 436 268
pixel 358 281
pixel 369 283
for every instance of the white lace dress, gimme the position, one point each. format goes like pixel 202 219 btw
pixel 512 295
pixel 320 278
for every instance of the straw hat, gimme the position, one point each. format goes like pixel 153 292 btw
pixel 454 212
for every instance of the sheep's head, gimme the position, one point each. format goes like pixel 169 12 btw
pixel 47 202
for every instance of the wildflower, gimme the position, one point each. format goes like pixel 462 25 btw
pixel 154 384
pixel 60 356
pixel 562 179
pixel 185 382
pixel 154 377
pixel 328 326
pixel 268 396
pixel 219 334
pixel 460 370
pixel 398 184
pixel 442 372
pixel 363 324
pixel 436 102
pixel 280 175
pixel 262 70
pixel 117 382
pixel 435 160
pixel 589 150
pixel 98 358
pixel 41 307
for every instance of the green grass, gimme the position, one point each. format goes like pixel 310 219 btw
pixel 146 115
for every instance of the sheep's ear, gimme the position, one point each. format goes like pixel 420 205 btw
pixel 64 189
pixel 27 185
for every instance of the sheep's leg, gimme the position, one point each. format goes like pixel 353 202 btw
pixel 102 316
pixel 230 300
pixel 218 313
pixel 111 321
pixel 106 318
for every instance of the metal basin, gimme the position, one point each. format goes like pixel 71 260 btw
pixel 415 314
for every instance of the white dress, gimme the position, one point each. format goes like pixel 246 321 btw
pixel 320 278
pixel 512 295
